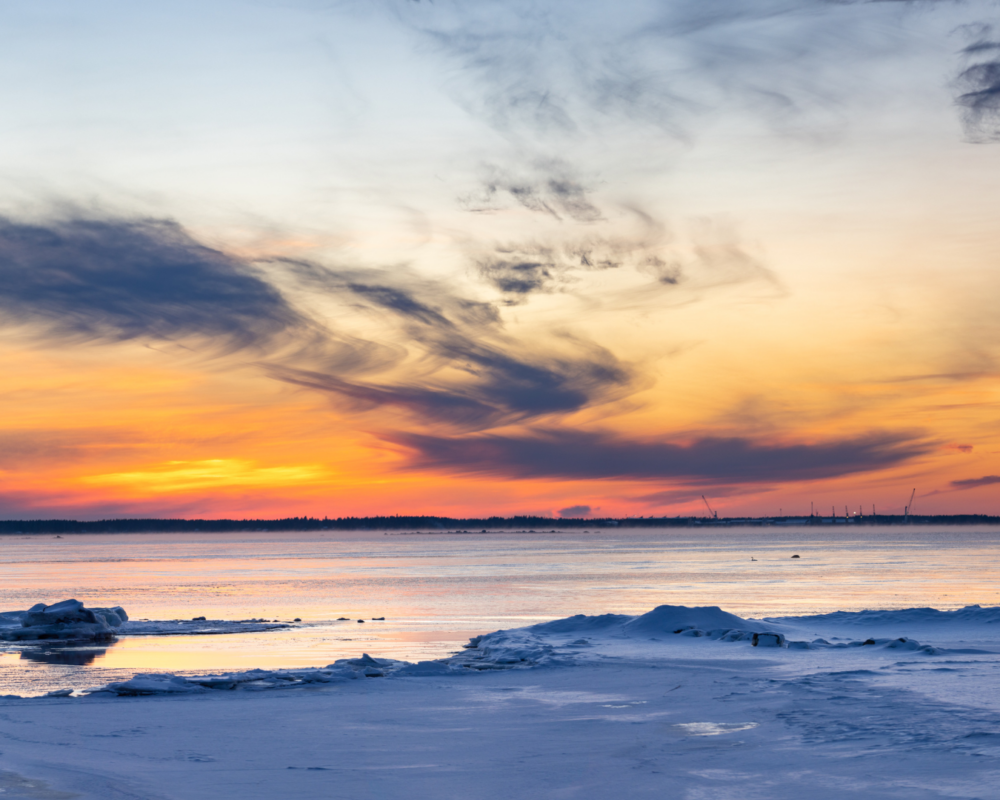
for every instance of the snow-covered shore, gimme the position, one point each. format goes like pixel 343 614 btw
pixel 679 702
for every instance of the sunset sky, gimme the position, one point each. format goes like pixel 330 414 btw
pixel 281 258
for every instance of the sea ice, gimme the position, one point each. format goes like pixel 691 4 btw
pixel 68 620
pixel 584 707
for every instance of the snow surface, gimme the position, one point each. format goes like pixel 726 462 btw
pixel 677 703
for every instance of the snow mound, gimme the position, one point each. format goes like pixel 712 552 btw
pixel 553 642
pixel 581 623
pixel 66 620
pixel 677 619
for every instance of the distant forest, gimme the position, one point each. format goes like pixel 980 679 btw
pixel 447 524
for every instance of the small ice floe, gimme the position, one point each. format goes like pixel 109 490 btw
pixel 199 626
pixel 714 728
pixel 66 620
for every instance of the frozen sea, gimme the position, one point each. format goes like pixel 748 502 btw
pixel 438 589
pixel 601 665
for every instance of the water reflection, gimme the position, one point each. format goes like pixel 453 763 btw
pixel 73 656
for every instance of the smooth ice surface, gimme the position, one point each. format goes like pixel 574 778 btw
pixel 677 702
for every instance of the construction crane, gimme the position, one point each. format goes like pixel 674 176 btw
pixel 909 506
pixel 713 514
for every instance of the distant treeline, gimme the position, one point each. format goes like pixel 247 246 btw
pixel 402 523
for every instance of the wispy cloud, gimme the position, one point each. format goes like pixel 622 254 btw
pixel 569 70
pixel 487 385
pixel 710 255
pixel 114 280
pixel 551 188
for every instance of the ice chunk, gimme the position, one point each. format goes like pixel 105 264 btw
pixel 513 649
pixel 425 669
pixel 113 616
pixel 66 620
pixel 714 728
pixel 62 612
pixel 141 685
pixel 365 661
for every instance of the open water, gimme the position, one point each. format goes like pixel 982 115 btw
pixel 437 589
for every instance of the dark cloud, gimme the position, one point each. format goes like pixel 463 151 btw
pixel 574 511
pixel 117 279
pixel 455 407
pixel 401 302
pixel 978 87
pixel 589 455
pixel 975 483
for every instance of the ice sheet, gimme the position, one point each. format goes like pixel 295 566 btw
pixel 584 707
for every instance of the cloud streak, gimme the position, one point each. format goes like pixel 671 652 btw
pixel 975 483
pixel 581 455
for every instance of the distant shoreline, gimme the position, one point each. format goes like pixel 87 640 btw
pixel 431 525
